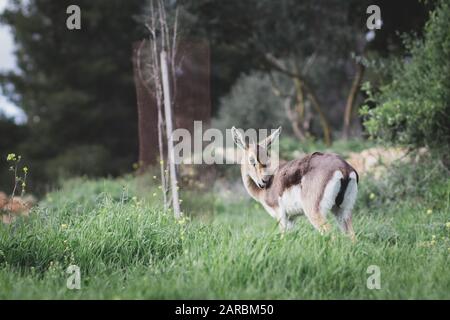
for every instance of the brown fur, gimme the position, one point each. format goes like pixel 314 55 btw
pixel 308 172
pixel 272 187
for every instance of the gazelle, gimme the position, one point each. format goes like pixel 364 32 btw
pixel 313 185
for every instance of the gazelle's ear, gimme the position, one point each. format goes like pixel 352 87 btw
pixel 268 141
pixel 238 138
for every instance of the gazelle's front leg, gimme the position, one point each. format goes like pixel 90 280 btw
pixel 282 220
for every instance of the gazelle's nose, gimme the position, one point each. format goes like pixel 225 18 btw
pixel 265 179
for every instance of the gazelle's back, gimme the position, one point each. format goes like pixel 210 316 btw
pixel 310 175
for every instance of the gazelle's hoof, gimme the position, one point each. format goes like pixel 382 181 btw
pixel 325 228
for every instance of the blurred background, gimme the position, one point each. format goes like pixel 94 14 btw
pixel 69 99
pixel 90 188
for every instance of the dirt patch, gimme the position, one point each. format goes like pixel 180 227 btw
pixel 10 209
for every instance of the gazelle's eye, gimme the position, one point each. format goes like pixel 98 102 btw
pixel 252 160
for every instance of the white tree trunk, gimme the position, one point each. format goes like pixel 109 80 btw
pixel 169 131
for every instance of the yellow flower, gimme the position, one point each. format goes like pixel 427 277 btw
pixel 372 196
pixel 448 224
pixel 11 157
pixel 429 211
pixel 154 194
pixel 64 226
pixel 25 169
pixel 154 177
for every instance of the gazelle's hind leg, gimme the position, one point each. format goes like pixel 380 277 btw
pixel 344 219
pixel 318 200
pixel 313 212
pixel 344 212
pixel 318 220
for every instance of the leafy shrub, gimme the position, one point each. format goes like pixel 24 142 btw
pixel 414 109
pixel 291 148
pixel 422 180
pixel 81 160
pixel 98 225
pixel 251 104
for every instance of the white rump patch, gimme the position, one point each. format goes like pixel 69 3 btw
pixel 291 200
pixel 350 195
pixel 330 193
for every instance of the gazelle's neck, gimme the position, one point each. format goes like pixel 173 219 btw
pixel 253 190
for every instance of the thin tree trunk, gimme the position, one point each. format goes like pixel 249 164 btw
pixel 293 119
pixel 299 91
pixel 311 95
pixel 160 124
pixel 300 99
pixel 290 114
pixel 157 95
pixel 322 117
pixel 169 131
pixel 351 99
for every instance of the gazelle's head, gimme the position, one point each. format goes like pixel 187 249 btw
pixel 256 162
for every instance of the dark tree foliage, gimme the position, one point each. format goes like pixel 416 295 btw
pixel 11 135
pixel 399 17
pixel 242 32
pixel 76 87
pixel 414 108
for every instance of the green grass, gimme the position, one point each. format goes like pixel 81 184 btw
pixel 127 248
pixel 289 147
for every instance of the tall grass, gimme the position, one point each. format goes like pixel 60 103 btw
pixel 127 247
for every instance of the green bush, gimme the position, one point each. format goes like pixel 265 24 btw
pixel 420 180
pixel 414 109
pixel 89 160
pixel 252 104
pixel 291 148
